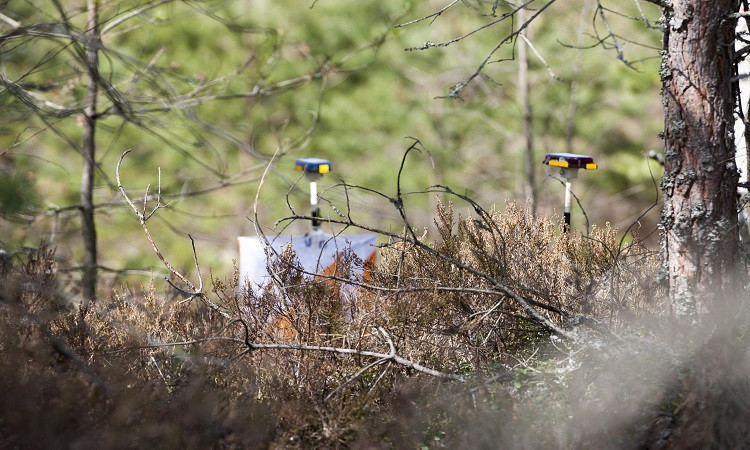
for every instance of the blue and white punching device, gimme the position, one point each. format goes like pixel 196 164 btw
pixel 569 164
pixel 314 168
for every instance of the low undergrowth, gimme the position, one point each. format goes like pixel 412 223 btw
pixel 502 332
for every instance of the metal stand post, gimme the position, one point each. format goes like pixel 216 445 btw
pixel 566 213
pixel 569 164
pixel 314 168
pixel 314 204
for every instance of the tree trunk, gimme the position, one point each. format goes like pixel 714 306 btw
pixel 88 227
pixel 523 98
pixel 699 220
pixel 575 79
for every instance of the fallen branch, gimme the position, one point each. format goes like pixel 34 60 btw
pixel 392 356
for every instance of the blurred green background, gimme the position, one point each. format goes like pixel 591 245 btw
pixel 367 96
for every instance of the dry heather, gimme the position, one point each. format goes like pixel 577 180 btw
pixel 502 332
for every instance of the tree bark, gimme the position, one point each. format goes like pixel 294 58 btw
pixel 699 220
pixel 88 227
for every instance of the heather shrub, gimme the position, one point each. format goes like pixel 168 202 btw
pixel 439 343
pixel 107 381
pixel 452 294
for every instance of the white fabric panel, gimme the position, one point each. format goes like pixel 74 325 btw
pixel 315 253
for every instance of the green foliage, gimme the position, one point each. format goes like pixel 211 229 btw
pixel 371 96
pixel 338 84
pixel 18 196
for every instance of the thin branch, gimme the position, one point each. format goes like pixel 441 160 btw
pixel 432 16
pixel 456 91
pixel 349 351
pixel 611 35
pixel 541 58
pixel 430 44
pixel 132 14
pixel 10 21
pixel 36 101
pixel 142 219
pixel 301 347
pixel 355 376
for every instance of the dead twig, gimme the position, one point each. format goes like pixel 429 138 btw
pixel 193 291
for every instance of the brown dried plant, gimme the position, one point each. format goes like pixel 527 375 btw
pixel 312 358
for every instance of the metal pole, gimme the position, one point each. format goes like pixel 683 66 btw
pixel 314 205
pixel 569 164
pixel 314 168
pixel 567 205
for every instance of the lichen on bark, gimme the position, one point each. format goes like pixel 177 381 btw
pixel 699 220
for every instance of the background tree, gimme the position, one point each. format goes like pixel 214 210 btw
pixel 94 64
pixel 699 220
pixel 92 40
pixel 360 111
pixel 523 99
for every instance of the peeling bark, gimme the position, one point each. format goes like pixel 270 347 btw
pixel 699 220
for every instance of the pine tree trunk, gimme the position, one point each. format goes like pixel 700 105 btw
pixel 699 220
pixel 88 227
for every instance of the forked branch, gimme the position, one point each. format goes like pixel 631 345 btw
pixel 143 217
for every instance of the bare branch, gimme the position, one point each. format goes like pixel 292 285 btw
pixel 10 21
pixel 456 91
pixel 541 58
pixel 142 219
pixel 36 101
pixel 611 35
pixel 252 346
pixel 355 376
pixel 132 14
pixel 429 44
pixel 432 16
